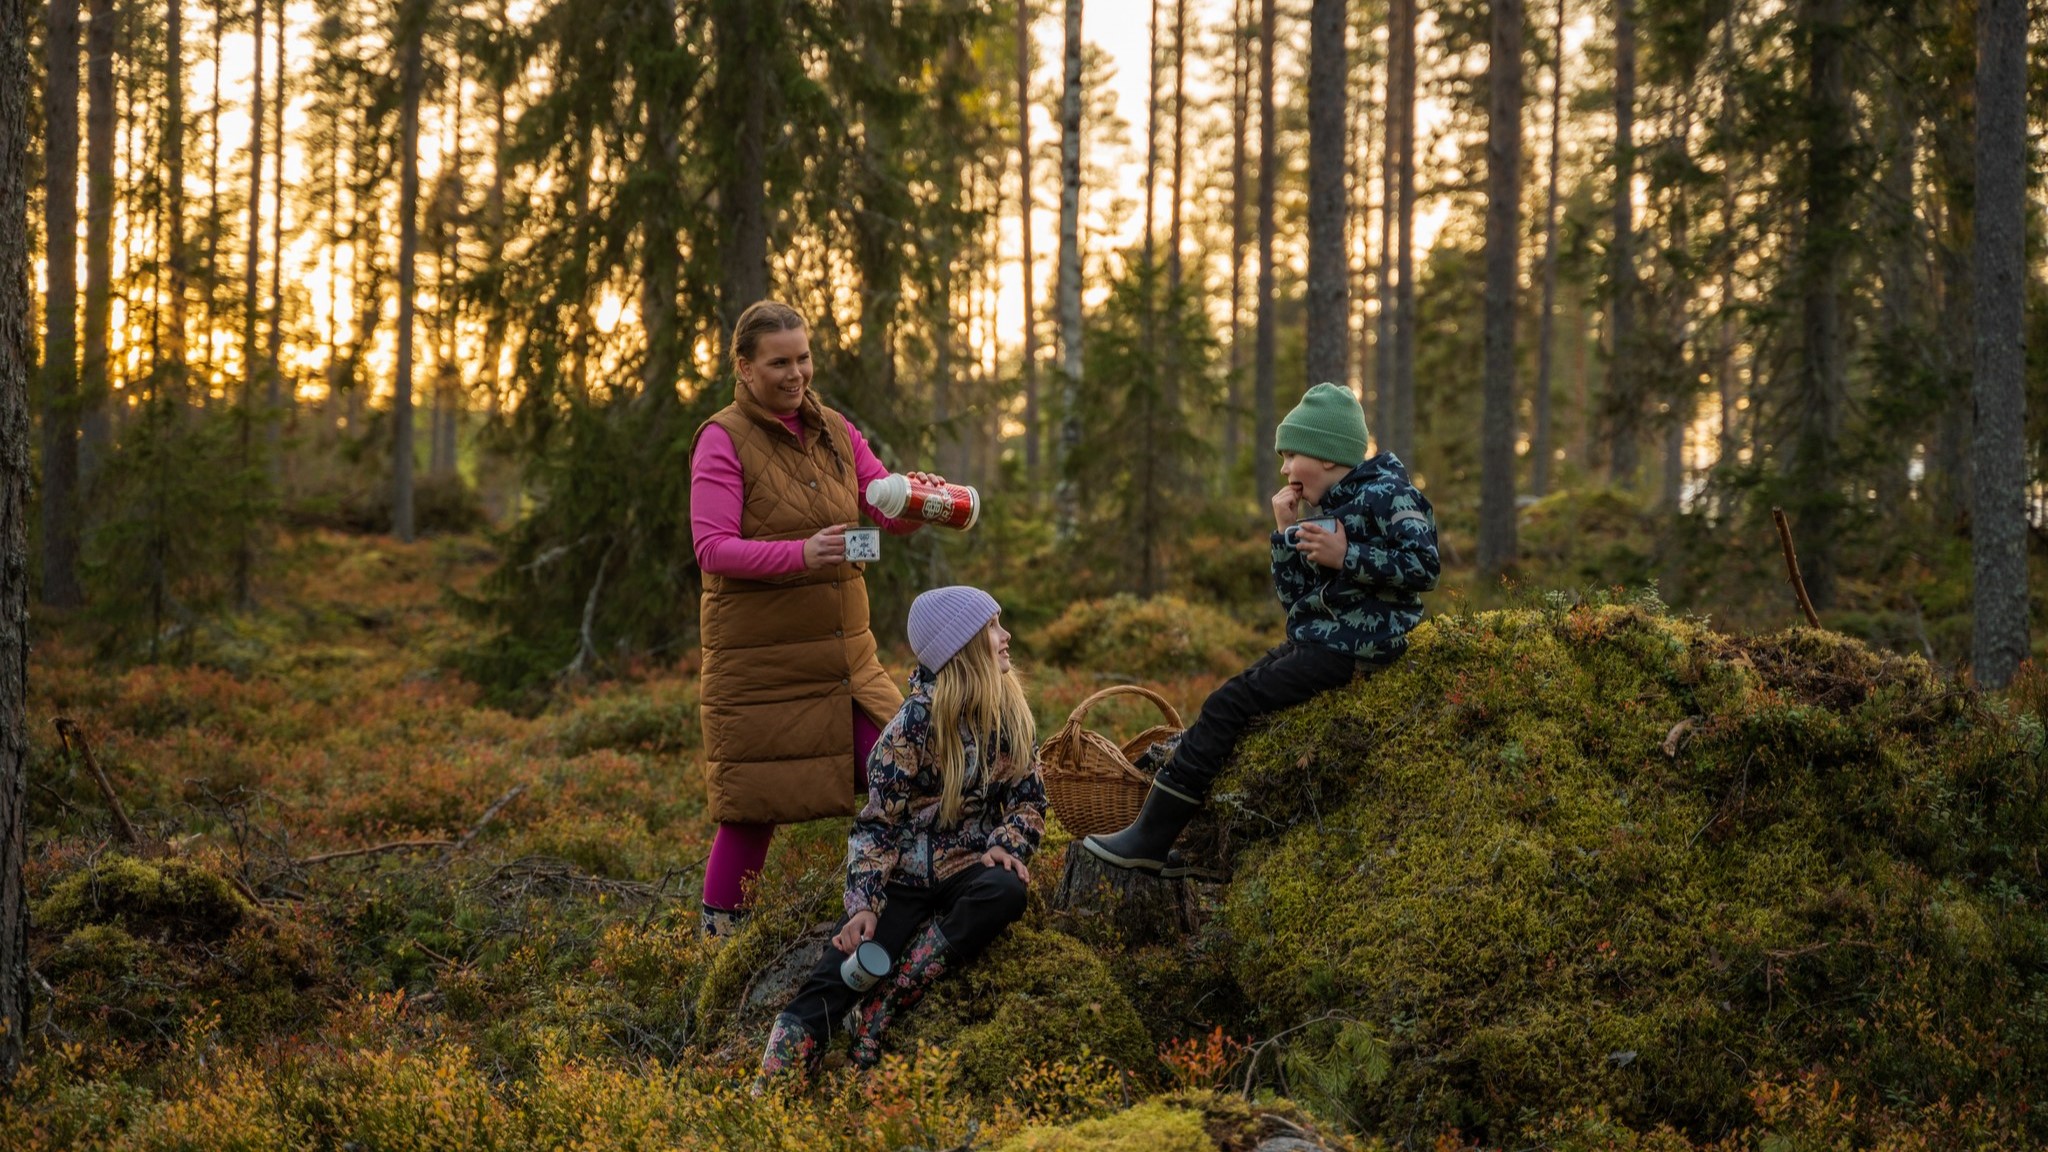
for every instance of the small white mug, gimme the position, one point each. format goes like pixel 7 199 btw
pixel 866 966
pixel 863 545
pixel 1292 533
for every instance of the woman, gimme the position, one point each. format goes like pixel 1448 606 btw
pixel 793 697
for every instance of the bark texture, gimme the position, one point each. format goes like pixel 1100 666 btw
pixel 1503 260
pixel 1329 273
pixel 1999 531
pixel 60 311
pixel 16 343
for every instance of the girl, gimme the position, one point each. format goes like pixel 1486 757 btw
pixel 793 697
pixel 935 867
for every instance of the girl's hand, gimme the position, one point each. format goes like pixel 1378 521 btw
pixel 1286 507
pixel 1322 546
pixel 999 857
pixel 859 927
pixel 827 546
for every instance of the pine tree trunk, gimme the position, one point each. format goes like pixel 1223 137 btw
pixel 1328 346
pixel 1401 433
pixel 16 340
pixel 662 257
pixel 1503 269
pixel 1069 287
pixel 1729 381
pixel 174 187
pixel 1999 531
pixel 213 216
pixel 1539 441
pixel 1151 147
pixel 276 397
pixel 1390 181
pixel 740 33
pixel 1240 115
pixel 95 381
pixel 1029 367
pixel 245 413
pixel 411 69
pixel 1813 462
pixel 61 509
pixel 1265 473
pixel 1180 103
pixel 1624 401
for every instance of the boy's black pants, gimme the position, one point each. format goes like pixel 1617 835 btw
pixel 1286 676
pixel 972 906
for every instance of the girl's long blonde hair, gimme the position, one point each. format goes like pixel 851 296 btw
pixel 972 688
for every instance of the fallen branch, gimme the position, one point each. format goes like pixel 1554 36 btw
pixel 490 813
pixel 393 846
pixel 66 729
pixel 1792 567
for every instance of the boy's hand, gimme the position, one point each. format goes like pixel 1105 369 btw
pixel 999 857
pixel 860 927
pixel 1322 546
pixel 1286 506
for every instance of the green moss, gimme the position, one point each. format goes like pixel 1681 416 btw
pixel 101 949
pixel 176 898
pixel 1154 1126
pixel 1601 858
pixel 1035 995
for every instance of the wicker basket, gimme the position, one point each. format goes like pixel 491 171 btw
pixel 1091 783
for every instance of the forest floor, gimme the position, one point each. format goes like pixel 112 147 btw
pixel 364 909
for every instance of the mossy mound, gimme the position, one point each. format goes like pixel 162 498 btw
pixel 1146 639
pixel 1193 1121
pixel 1602 858
pixel 173 898
pixel 1035 993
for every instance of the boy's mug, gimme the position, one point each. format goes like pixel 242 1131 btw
pixel 1292 533
pixel 863 544
pixel 866 967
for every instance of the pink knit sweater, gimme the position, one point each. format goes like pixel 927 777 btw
pixel 718 491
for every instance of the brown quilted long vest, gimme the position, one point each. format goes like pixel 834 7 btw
pixel 786 659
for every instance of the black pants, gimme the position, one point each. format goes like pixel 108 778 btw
pixel 972 906
pixel 1286 676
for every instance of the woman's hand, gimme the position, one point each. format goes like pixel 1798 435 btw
pixel 999 857
pixel 1286 507
pixel 932 478
pixel 859 927
pixel 828 546
pixel 1322 545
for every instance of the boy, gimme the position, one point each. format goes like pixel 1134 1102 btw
pixel 1352 595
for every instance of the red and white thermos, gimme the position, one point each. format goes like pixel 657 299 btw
pixel 946 505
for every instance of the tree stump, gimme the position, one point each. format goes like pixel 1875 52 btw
pixel 1136 908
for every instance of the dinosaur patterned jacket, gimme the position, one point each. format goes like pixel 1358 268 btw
pixel 1366 608
pixel 897 839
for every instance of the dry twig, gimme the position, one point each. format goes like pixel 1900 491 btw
pixel 1792 568
pixel 66 729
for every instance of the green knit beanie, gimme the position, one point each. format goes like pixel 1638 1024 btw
pixel 1328 424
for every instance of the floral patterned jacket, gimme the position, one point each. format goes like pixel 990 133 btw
pixel 1367 607
pixel 897 839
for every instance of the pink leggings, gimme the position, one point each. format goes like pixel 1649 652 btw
pixel 739 850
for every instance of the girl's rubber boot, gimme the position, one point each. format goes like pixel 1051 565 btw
pixel 720 924
pixel 791 1051
pixel 922 963
pixel 1147 845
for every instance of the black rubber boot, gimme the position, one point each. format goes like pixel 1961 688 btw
pixel 1146 844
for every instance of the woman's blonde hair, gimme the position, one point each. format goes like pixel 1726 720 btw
pixel 974 692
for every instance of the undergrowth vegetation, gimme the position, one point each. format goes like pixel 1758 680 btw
pixel 1579 873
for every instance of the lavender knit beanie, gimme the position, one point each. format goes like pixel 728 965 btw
pixel 943 620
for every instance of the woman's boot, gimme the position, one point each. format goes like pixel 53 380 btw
pixel 922 963
pixel 791 1051
pixel 720 924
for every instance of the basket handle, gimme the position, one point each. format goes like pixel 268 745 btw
pixel 1071 730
